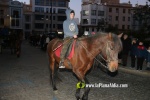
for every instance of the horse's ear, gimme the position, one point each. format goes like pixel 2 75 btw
pixel 110 35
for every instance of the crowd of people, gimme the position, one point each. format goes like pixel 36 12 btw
pixel 39 40
pixel 137 51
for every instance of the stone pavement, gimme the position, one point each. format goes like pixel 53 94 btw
pixel 27 78
pixel 130 70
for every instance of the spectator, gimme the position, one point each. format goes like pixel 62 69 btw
pixel 133 52
pixel 126 42
pixel 148 59
pixel 141 54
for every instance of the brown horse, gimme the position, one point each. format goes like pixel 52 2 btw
pixel 86 49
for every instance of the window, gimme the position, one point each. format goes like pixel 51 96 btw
pixel 85 21
pixel 93 12
pixel 48 2
pixel 1 12
pixel 39 17
pixel 116 26
pixel 46 25
pixel 61 3
pixel 53 25
pixel 100 13
pixel 92 29
pixel 87 29
pixel 101 21
pixel 123 18
pixel 50 10
pixel 128 27
pixel 93 21
pixel 46 16
pixel 61 18
pixel 129 11
pixel 117 10
pixel 124 10
pixel 53 17
pixel 61 11
pixel 85 12
pixel 117 18
pixel 27 26
pixel 1 21
pixel 39 2
pixel 54 10
pixel 47 10
pixel 110 9
pixel 128 18
pixel 60 26
pixel 15 22
pixel 53 3
pixel 110 18
pixel 123 27
pixel 27 18
pixel 39 25
pixel 39 9
pixel 16 13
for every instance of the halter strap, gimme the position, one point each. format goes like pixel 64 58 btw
pixel 94 57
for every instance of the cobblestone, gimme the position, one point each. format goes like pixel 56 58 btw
pixel 27 78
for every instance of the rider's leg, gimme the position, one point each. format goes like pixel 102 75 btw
pixel 63 52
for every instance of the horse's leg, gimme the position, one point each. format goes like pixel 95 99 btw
pixel 78 91
pixel 81 75
pixel 87 89
pixel 53 72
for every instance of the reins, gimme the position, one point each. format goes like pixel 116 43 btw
pixel 62 44
pixel 94 57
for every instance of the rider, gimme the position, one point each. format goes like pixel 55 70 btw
pixel 70 31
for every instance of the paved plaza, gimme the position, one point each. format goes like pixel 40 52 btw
pixel 27 78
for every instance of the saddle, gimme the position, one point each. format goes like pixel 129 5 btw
pixel 69 52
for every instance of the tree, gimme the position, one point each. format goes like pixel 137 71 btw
pixel 142 15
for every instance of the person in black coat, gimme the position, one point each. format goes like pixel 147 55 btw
pixel 126 43
pixel 133 52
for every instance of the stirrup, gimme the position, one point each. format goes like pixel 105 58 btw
pixel 61 65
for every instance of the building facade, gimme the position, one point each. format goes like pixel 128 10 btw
pixel 106 12
pixel 11 14
pixel 4 14
pixel 45 16
pixel 91 14
pixel 119 16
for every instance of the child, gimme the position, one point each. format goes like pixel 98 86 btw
pixel 148 58
pixel 141 54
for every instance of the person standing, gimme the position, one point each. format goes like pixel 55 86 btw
pixel 141 54
pixel 126 42
pixel 148 58
pixel 133 52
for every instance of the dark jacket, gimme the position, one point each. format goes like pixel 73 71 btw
pixel 133 49
pixel 141 51
pixel 69 26
pixel 126 45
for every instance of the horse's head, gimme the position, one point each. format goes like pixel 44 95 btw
pixel 112 47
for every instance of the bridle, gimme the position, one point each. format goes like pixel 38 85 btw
pixel 108 52
pixel 106 45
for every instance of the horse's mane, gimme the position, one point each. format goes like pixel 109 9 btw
pixel 115 38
